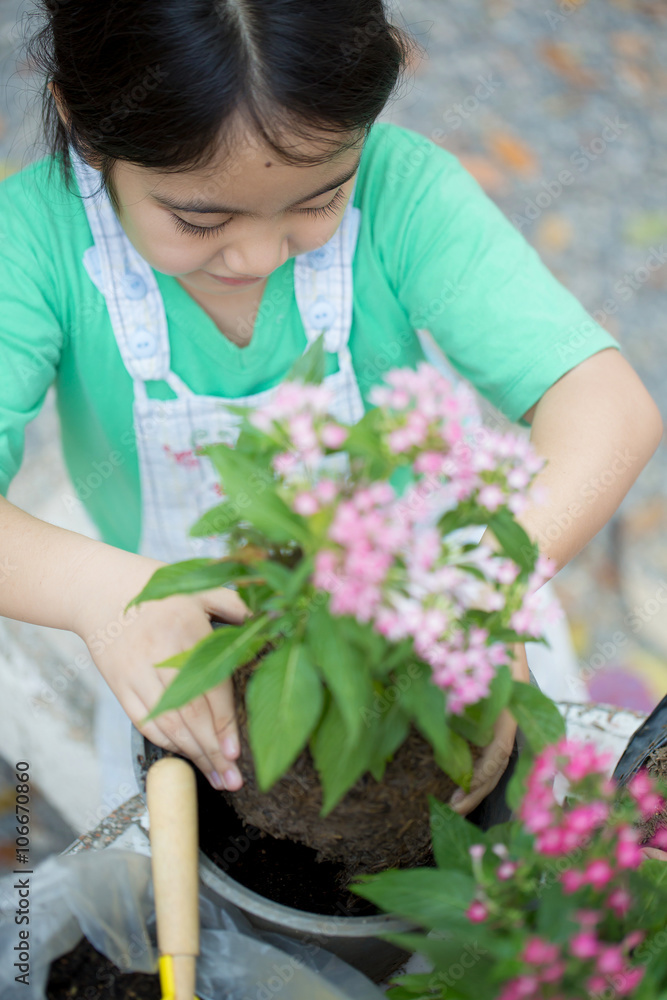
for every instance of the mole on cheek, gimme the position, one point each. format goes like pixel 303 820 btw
pixel 268 164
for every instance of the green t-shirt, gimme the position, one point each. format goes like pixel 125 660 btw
pixel 433 252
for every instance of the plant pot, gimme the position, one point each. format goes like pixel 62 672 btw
pixel 352 938
pixel 375 826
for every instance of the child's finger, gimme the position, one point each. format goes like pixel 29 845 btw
pixel 216 734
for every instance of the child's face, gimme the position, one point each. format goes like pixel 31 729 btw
pixel 199 247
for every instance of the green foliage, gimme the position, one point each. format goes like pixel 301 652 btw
pixel 432 897
pixel 284 700
pixel 310 367
pixel 452 836
pixel 209 662
pixel 343 668
pixel 536 715
pixel 339 764
pixel 187 578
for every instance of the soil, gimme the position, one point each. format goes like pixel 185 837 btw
pixel 656 763
pixel 83 972
pixel 281 870
pixel 374 827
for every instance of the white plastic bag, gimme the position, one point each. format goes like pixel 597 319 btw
pixel 107 896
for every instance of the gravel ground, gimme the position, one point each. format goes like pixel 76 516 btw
pixel 520 91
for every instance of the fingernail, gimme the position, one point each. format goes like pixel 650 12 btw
pixel 217 781
pixel 230 747
pixel 233 779
pixel 457 797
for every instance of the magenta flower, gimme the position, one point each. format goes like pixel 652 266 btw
pixel 477 912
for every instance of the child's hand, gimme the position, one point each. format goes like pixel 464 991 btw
pixel 125 647
pixel 491 766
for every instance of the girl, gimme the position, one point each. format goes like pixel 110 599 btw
pixel 217 195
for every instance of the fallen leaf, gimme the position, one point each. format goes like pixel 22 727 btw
pixel 563 61
pixel 554 232
pixel 512 153
pixel 631 44
pixel 485 173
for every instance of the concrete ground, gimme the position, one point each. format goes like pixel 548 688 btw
pixel 519 91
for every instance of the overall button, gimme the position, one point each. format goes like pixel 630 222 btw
pixel 134 285
pixel 322 258
pixel 321 314
pixel 143 344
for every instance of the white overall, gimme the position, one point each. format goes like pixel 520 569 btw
pixel 177 485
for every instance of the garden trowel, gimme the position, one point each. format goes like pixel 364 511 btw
pixel 171 795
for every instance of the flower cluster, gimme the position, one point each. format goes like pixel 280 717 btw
pixel 300 414
pixel 584 959
pixel 381 557
pixel 600 843
pixel 436 426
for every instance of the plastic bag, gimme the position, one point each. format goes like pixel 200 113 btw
pixel 107 896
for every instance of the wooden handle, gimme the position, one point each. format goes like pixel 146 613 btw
pixel 171 794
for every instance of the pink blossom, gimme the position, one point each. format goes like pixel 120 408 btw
pixel 620 901
pixel 491 497
pixel 305 503
pixel 506 870
pixel 572 880
pixel 630 980
pixel 610 960
pixel 584 945
pixel 628 855
pixel 477 912
pixel 477 851
pixel 333 435
pixel 598 873
pixel 537 951
pixel 596 984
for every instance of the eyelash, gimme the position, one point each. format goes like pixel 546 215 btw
pixel 187 227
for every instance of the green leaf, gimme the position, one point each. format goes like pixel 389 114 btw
pixel 276 575
pixel 432 897
pixel 342 667
pixel 339 764
pixel 513 539
pixel 284 700
pixel 516 786
pixel 536 715
pixel 425 702
pixel 255 493
pixel 299 577
pixel 452 836
pixel 217 521
pixel 311 366
pixel 457 762
pixel 211 661
pixel 188 577
pixel 392 729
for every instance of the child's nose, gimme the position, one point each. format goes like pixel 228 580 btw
pixel 256 257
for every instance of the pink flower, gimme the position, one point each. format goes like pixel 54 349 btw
pixel 506 870
pixel 305 503
pixel 333 435
pixel 477 851
pixel 630 980
pixel 584 945
pixel 537 951
pixel 572 880
pixel 620 902
pixel 610 960
pixel 477 912
pixel 553 973
pixel 628 855
pixel 598 873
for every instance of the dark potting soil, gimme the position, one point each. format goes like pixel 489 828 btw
pixel 83 972
pixel 281 870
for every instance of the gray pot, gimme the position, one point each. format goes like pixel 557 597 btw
pixel 354 939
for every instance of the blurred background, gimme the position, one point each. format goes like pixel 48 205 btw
pixel 519 91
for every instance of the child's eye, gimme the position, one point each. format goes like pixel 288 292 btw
pixel 186 227
pixel 329 209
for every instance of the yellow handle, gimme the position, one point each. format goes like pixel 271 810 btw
pixel 171 794
pixel 167 982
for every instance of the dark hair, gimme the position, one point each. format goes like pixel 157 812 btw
pixel 153 82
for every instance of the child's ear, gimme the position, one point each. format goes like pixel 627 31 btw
pixel 63 114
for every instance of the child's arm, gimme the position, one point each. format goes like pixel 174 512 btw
pixel 597 426
pixel 61 579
